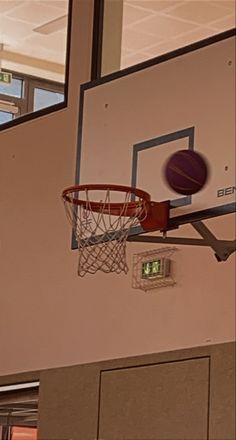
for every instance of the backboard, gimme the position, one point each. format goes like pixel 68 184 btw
pixel 131 122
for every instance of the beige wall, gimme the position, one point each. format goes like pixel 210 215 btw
pixel 37 159
pixel 50 317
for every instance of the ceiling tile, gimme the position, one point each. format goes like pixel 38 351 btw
pixel 132 14
pixel 226 23
pixel 182 41
pixel 230 4
pixel 43 53
pixel 61 4
pixel 134 40
pixel 50 42
pixel 199 11
pixel 34 12
pixel 11 31
pixel 163 26
pixel 135 58
pixel 53 26
pixel 154 5
pixel 7 5
pixel 126 52
pixel 192 37
pixel 165 47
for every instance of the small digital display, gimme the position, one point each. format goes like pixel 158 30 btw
pixel 151 268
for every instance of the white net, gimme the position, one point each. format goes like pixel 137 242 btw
pixel 101 221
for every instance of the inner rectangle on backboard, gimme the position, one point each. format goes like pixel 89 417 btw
pixel 149 160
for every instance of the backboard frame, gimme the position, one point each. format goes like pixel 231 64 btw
pixel 175 222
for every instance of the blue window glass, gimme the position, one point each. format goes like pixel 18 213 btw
pixel 46 98
pixel 13 89
pixel 5 117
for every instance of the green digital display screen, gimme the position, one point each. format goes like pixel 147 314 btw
pixel 151 268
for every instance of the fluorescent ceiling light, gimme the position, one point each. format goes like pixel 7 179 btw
pixel 19 386
pixel 52 26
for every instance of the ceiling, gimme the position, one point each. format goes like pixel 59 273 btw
pixel 33 32
pixel 154 27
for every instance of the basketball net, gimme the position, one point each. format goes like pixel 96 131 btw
pixel 101 228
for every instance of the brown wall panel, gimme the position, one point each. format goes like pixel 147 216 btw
pixel 68 403
pixel 163 401
pixel 223 397
pixel 72 398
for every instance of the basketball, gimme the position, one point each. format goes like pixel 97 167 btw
pixel 186 172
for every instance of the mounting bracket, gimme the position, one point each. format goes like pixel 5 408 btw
pixel 222 248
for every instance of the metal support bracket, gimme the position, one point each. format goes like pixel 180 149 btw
pixel 222 248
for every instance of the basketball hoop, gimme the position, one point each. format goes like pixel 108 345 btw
pixel 101 222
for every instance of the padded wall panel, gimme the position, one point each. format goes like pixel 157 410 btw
pixel 163 401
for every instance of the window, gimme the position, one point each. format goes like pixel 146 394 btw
pixel 19 411
pixel 5 116
pixel 34 47
pixel 15 88
pixel 45 98
pixel 137 30
pixel 26 95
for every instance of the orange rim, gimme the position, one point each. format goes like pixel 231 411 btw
pixel 112 208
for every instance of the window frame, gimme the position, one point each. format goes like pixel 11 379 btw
pixel 22 103
pixel 43 84
pixel 96 71
pixel 25 104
